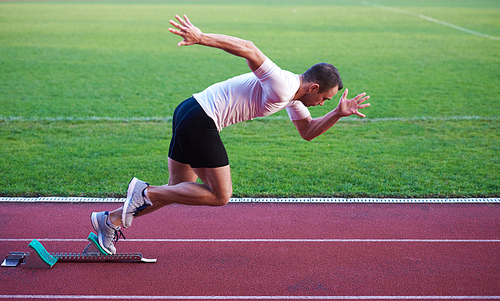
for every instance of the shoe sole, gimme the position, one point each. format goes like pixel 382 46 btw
pixel 95 225
pixel 130 189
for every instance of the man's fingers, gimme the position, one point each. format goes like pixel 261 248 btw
pixel 183 29
pixel 184 43
pixel 359 96
pixel 187 20
pixel 344 95
pixel 174 31
pixel 363 99
pixel 175 24
pixel 352 106
pixel 178 32
pixel 183 23
pixel 360 115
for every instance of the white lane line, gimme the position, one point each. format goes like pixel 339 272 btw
pixel 262 200
pixel 168 118
pixel 106 297
pixel 246 240
pixel 431 20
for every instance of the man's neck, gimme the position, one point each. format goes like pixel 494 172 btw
pixel 302 90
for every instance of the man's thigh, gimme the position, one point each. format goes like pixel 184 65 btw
pixel 217 180
pixel 180 172
pixel 195 138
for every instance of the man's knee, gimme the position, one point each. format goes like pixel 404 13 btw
pixel 223 199
pixel 218 182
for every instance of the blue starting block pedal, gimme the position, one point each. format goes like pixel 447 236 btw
pixel 93 248
pixel 41 259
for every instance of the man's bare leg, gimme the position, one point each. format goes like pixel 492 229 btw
pixel 216 189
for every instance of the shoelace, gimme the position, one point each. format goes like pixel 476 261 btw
pixel 117 235
pixel 139 209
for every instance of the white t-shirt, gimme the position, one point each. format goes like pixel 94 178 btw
pixel 256 94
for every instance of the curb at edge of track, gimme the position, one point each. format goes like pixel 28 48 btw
pixel 261 200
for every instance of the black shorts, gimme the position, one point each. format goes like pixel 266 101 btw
pixel 195 138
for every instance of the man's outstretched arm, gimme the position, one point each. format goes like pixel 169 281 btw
pixel 310 128
pixel 193 35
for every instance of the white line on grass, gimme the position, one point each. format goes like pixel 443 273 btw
pixel 87 118
pixel 431 20
pixel 168 119
pixel 106 297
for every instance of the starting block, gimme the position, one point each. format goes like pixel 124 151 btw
pixel 39 258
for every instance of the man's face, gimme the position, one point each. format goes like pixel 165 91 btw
pixel 314 98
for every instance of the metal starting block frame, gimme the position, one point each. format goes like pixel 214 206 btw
pixel 41 259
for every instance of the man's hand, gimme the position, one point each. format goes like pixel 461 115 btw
pixel 349 107
pixel 310 128
pixel 191 34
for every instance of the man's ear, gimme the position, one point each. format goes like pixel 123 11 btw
pixel 313 87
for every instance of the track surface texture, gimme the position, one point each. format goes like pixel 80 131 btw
pixel 264 251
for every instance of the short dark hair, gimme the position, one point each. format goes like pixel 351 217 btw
pixel 325 75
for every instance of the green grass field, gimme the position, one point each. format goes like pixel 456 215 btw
pixel 87 89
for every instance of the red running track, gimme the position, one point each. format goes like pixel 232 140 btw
pixel 265 252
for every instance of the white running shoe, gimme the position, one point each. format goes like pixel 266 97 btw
pixel 135 202
pixel 106 235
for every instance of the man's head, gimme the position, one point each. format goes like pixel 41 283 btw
pixel 325 75
pixel 319 83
